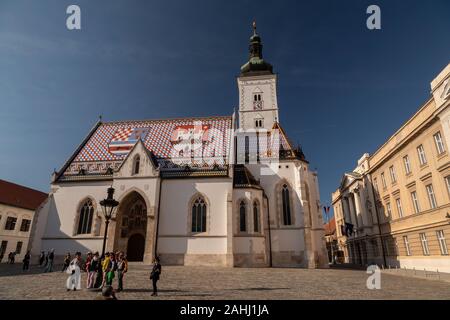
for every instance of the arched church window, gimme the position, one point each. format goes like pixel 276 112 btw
pixel 85 218
pixel 286 205
pixel 199 215
pixel 256 222
pixel 242 217
pixel 136 164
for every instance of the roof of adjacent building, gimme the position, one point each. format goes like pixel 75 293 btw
pixel 330 227
pixel 108 143
pixel 19 196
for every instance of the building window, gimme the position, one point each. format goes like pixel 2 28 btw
pixel 389 211
pixel 286 206
pixel 259 123
pixel 136 164
pixel 442 243
pixel 424 242
pixel 19 247
pixel 431 196
pixel 447 182
pixel 256 223
pixel 421 153
pixel 375 184
pixel 415 202
pixel 439 143
pixel 86 216
pixel 25 226
pixel 399 208
pixel 3 248
pixel 242 217
pixel 199 215
pixel 247 149
pixel 407 164
pixel 10 223
pixel 392 173
pixel 406 243
pixel 383 180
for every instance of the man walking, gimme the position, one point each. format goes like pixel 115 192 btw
pixel 50 256
pixel 154 275
pixel 26 261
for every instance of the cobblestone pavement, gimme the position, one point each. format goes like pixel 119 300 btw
pixel 226 283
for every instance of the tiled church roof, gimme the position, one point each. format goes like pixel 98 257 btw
pixel 109 142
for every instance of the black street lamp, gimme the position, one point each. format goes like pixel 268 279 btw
pixel 108 206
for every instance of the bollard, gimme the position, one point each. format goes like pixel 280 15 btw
pixel 425 271
pixel 439 276
pixel 414 268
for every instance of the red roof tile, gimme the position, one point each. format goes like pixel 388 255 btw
pixel 19 196
pixel 330 227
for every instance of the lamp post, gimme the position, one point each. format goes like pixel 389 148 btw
pixel 108 206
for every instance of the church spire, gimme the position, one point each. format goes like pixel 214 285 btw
pixel 256 64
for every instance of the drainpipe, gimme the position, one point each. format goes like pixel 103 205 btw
pixel 268 224
pixel 378 222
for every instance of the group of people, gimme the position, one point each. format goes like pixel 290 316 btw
pixel 46 260
pixel 100 271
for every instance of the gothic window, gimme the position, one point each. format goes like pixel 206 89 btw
pixel 199 215
pixel 136 164
pixel 85 218
pixel 286 205
pixel 256 223
pixel 242 217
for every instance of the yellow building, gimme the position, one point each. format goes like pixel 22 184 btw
pixel 393 208
pixel 17 208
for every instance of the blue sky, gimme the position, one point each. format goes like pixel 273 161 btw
pixel 342 88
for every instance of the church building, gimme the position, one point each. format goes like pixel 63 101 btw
pixel 217 191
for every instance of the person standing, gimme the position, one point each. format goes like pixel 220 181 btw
pixel 92 270
pixel 26 261
pixel 122 268
pixel 67 260
pixel 51 256
pixel 154 275
pixel 41 258
pixel 110 275
pixel 74 269
pixel 105 267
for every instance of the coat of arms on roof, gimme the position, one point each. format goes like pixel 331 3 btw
pixel 125 138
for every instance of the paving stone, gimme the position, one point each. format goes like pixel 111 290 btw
pixel 179 282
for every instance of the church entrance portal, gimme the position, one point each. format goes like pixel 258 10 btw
pixel 131 227
pixel 135 247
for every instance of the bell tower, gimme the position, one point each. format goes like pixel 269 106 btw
pixel 258 108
